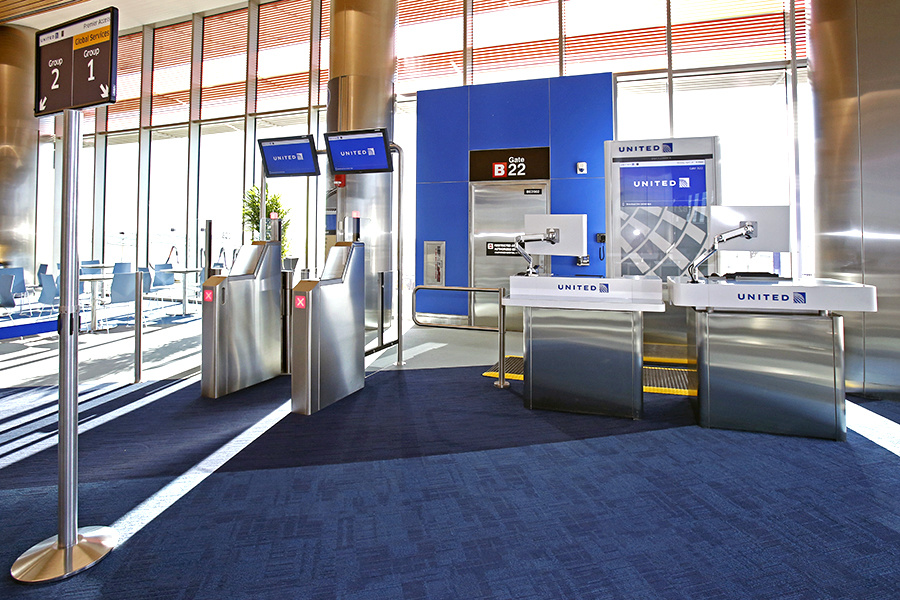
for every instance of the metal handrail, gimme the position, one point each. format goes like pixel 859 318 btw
pixel 501 321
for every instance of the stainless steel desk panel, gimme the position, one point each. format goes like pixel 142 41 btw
pixel 241 336
pixel 328 354
pixel 584 361
pixel 771 373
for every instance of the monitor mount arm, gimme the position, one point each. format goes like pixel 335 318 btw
pixel 746 230
pixel 551 236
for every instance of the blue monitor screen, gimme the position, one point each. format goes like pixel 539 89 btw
pixel 289 156
pixel 359 151
pixel 676 183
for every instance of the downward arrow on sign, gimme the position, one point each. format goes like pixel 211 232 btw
pixel 43 104
pixel 104 91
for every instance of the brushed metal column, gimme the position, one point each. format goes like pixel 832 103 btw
pixel 855 75
pixel 18 148
pixel 361 96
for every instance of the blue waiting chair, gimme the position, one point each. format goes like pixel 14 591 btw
pixel 49 296
pixel 146 271
pixel 162 278
pixel 122 267
pixel 7 300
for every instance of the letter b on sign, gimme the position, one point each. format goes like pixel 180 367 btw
pixel 499 169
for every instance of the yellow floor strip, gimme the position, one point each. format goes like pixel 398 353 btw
pixel 674 381
pixel 514 369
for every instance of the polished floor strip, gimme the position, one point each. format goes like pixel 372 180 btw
pixel 874 427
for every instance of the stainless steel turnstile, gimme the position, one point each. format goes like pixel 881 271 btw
pixel 242 329
pixel 328 322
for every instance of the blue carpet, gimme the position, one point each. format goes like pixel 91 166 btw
pixel 678 512
pixel 405 414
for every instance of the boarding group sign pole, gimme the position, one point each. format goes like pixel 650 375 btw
pixel 75 68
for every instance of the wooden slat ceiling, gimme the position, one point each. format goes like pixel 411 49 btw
pixel 17 9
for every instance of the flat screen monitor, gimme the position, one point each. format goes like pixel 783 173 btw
pixel 364 151
pixel 663 183
pixel 289 156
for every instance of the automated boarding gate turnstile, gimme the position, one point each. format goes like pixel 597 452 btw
pixel 328 322
pixel 241 343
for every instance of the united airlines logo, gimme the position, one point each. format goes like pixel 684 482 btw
pixel 799 297
pixel 366 152
pixel 297 156
pixel 604 288
pixel 771 298
pixel 667 147
pixel 684 182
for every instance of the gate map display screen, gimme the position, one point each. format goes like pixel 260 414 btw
pixel 659 183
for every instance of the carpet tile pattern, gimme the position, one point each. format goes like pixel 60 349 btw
pixel 675 511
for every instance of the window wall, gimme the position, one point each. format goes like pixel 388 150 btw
pixel 181 141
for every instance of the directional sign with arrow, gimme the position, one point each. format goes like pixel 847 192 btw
pixel 76 63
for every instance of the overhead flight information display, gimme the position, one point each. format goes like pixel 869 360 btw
pixel 366 151
pixel 289 156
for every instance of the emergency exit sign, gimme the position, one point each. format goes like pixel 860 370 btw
pixel 76 63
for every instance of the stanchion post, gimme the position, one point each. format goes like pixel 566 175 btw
pixel 72 549
pixel 501 326
pixel 138 324
pixel 399 152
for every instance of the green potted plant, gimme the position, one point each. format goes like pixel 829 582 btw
pixel 250 215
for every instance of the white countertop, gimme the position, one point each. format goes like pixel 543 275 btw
pixel 587 293
pixel 792 296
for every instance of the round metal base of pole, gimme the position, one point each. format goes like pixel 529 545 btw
pixel 46 561
pixel 502 386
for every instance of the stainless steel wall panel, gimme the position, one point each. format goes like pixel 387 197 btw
pixel 855 76
pixel 584 361
pixel 771 373
pixel 497 214
pixel 18 149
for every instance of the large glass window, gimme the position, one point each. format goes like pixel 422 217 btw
pixel 514 39
pixel 642 107
pixel 612 36
pixel 429 45
pixel 171 74
pixel 166 223
pixel 294 191
pixel 749 114
pixel 86 199
pixel 728 32
pixel 120 210
pixel 223 88
pixel 283 66
pixel 125 113
pixel 221 178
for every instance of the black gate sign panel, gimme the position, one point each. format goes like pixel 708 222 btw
pixel 76 63
pixel 511 164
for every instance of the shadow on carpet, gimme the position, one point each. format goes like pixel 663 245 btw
pixel 426 412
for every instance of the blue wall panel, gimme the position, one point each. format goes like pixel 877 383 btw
pixel 442 136
pixel 442 214
pixel 509 115
pixel 581 196
pixel 572 115
pixel 581 110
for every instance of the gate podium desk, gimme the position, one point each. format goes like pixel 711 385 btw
pixel 584 341
pixel 770 353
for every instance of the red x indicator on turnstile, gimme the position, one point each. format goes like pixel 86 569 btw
pixel 299 301
pixel 207 295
